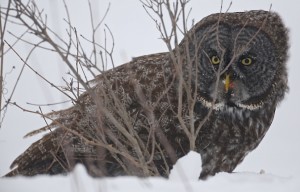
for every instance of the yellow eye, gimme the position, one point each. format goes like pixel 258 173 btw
pixel 215 60
pixel 246 61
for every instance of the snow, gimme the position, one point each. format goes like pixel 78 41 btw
pixel 184 177
pixel 181 172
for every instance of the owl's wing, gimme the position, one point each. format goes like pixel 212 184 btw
pixel 66 143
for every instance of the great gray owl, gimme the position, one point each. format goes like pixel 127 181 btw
pixel 215 93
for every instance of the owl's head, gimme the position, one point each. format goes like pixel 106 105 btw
pixel 240 59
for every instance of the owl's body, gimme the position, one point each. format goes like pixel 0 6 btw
pixel 215 94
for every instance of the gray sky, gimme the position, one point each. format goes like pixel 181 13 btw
pixel 135 34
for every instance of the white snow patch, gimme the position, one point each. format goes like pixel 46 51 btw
pixel 184 177
pixel 187 168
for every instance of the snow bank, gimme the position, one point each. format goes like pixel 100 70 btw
pixel 184 177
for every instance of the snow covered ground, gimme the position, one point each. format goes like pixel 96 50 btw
pixel 183 178
pixel 135 34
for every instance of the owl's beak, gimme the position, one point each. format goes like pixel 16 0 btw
pixel 227 82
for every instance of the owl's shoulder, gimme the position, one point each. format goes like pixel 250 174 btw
pixel 135 67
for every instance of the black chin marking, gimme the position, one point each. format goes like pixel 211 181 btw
pixel 231 104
